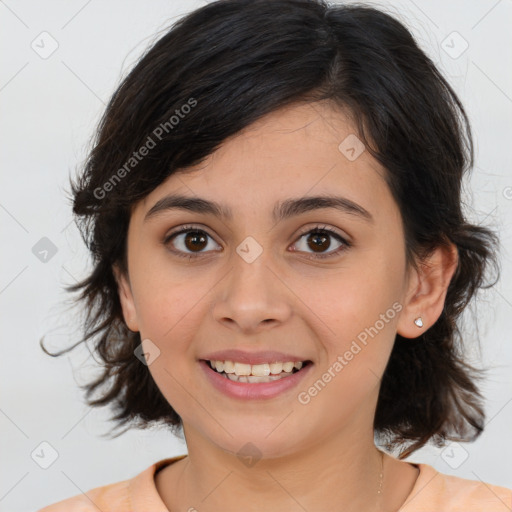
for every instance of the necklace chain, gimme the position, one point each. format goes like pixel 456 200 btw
pixel 381 476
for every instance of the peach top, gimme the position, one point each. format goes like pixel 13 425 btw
pixel 432 492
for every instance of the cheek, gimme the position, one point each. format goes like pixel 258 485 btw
pixel 168 296
pixel 362 328
pixel 356 299
pixel 169 312
pixel 167 308
pixel 359 310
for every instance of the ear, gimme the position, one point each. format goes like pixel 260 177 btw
pixel 126 298
pixel 426 290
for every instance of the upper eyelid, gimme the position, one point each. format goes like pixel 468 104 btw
pixel 323 227
pixel 184 228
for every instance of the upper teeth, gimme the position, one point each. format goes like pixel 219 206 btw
pixel 259 370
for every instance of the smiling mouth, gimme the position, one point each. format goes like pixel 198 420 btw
pixel 244 373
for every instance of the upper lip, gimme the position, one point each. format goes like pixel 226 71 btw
pixel 239 356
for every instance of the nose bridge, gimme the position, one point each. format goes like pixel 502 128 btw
pixel 251 294
pixel 252 281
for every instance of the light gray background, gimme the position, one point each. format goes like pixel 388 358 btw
pixel 49 109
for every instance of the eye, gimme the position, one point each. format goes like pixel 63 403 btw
pixel 190 242
pixel 319 239
pixel 188 238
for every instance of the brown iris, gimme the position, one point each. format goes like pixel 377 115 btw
pixel 195 240
pixel 315 241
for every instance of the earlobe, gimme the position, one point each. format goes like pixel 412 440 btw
pixel 126 299
pixel 427 291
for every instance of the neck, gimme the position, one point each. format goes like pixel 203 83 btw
pixel 334 473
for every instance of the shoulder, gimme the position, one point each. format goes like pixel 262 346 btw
pixel 135 495
pixel 436 491
pixel 111 498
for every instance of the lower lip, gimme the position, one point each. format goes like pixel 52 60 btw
pixel 257 390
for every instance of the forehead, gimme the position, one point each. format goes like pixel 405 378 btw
pixel 297 151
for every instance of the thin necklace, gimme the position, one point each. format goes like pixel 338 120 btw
pixel 381 478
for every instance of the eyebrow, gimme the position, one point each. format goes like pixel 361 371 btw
pixel 281 211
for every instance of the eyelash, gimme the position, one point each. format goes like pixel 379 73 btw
pixel 316 230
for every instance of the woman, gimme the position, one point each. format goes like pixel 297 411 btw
pixel 280 257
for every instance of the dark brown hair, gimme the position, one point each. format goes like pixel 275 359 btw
pixel 216 71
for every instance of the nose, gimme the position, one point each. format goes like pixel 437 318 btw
pixel 252 297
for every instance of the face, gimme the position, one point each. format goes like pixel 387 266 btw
pixel 254 282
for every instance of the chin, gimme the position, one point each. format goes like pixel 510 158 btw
pixel 260 441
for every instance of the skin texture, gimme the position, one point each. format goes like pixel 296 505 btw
pixel 284 300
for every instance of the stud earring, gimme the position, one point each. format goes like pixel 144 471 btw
pixel 419 321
